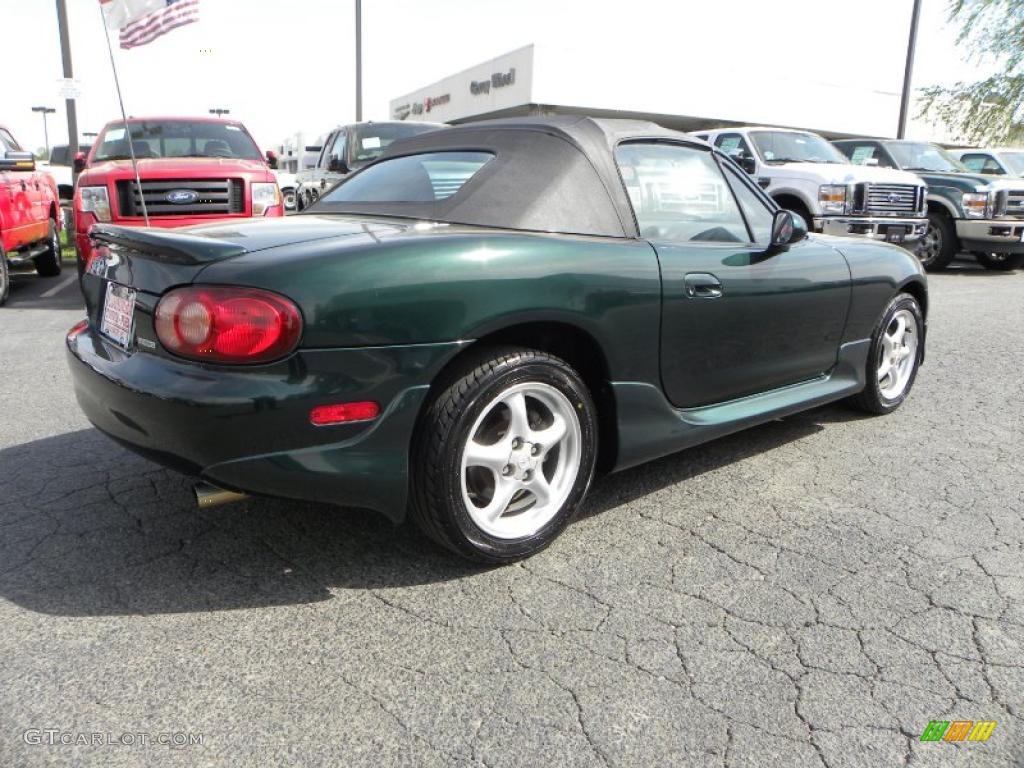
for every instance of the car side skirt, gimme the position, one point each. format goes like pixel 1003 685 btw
pixel 650 427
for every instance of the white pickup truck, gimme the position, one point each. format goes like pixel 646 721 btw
pixel 806 174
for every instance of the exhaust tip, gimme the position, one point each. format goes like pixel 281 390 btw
pixel 208 495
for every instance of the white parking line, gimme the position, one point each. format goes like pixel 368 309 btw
pixel 59 287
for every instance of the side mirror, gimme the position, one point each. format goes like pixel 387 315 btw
pixel 744 161
pixel 79 164
pixel 787 228
pixel 272 159
pixel 337 165
pixel 13 160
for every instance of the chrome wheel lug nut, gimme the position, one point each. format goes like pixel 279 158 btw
pixel 535 451
pixel 507 470
pixel 516 442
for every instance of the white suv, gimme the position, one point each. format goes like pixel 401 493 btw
pixel 806 174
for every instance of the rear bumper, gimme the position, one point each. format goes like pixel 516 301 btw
pixel 248 429
pixel 994 235
pixel 882 228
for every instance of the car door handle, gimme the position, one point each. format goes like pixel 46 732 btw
pixel 701 285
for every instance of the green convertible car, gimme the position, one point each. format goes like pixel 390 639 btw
pixel 472 326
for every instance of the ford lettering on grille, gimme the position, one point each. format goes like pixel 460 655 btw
pixel 181 196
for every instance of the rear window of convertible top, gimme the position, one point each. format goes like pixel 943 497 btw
pixel 420 178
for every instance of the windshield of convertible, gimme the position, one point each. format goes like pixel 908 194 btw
pixel 792 147
pixel 423 178
pixel 921 156
pixel 176 138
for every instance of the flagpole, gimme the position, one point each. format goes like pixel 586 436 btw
pixel 124 116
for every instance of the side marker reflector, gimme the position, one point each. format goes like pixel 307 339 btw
pixel 344 413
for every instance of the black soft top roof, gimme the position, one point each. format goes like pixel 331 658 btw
pixel 549 174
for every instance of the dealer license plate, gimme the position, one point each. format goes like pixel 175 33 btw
pixel 118 314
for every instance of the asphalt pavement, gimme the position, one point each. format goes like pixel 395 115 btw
pixel 811 592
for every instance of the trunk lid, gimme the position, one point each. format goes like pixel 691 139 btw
pixel 149 261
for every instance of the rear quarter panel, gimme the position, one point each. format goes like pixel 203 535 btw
pixel 420 288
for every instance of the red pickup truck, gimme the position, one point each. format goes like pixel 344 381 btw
pixel 29 214
pixel 193 171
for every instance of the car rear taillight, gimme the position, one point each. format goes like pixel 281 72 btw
pixel 225 324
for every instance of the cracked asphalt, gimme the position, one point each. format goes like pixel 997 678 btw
pixel 808 593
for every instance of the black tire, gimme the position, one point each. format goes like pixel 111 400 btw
pixel 939 245
pixel 1000 262
pixel 438 507
pixel 872 399
pixel 49 264
pixel 287 193
pixel 5 277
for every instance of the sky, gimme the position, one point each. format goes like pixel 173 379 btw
pixel 287 66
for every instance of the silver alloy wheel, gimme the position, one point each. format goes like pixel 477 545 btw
pixel 521 460
pixel 897 354
pixel 930 246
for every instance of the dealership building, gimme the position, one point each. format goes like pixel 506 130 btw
pixel 691 92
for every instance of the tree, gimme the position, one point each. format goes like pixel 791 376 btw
pixel 989 111
pixel 41 154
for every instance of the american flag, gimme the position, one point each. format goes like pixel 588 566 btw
pixel 143 21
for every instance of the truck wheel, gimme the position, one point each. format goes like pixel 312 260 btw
pixel 289 197
pixel 5 277
pixel 48 264
pixel 897 347
pixel 503 455
pixel 1001 262
pixel 939 245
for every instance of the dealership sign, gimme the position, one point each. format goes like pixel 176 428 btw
pixel 503 82
pixel 402 111
pixel 498 80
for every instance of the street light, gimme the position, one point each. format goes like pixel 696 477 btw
pixel 908 72
pixel 218 112
pixel 46 132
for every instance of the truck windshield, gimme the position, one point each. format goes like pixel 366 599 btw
pixel 1015 160
pixel 921 156
pixel 793 147
pixel 370 140
pixel 176 138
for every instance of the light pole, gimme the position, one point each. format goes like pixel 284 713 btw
pixel 218 112
pixel 359 61
pixel 909 71
pixel 46 131
pixel 69 73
